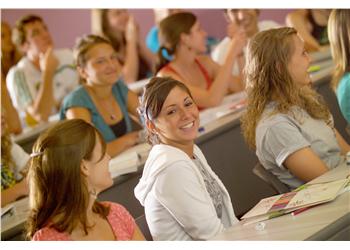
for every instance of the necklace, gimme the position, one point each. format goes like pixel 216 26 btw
pixel 106 104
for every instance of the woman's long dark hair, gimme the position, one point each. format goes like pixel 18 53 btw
pixel 170 30
pixel 59 195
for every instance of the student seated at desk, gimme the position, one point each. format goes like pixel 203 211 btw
pixel 9 112
pixel 339 37
pixel 183 38
pixel 286 121
pixel 13 162
pixel 44 76
pixel 183 198
pixel 248 21
pixel 103 99
pixel 63 193
pixel 121 28
pixel 311 24
pixel 10 55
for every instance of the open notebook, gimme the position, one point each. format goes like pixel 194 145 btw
pixel 305 196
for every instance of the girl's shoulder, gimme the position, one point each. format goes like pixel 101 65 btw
pixel 49 234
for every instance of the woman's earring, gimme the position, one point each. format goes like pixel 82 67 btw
pixel 93 193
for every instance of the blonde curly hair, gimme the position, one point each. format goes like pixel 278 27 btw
pixel 339 38
pixel 268 79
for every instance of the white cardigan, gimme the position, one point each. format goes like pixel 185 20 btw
pixel 177 204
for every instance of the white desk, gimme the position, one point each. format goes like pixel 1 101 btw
pixel 321 55
pixel 327 221
pixel 29 135
pixel 13 221
pixel 137 87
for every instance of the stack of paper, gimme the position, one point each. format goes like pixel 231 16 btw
pixel 129 160
pixel 308 195
pixel 231 104
pixel 123 164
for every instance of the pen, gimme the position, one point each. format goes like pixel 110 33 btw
pixel 313 68
pixel 201 129
pixel 300 210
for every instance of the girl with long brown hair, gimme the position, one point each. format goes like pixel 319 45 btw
pixel 63 192
pixel 183 198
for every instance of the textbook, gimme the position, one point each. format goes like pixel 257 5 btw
pixel 304 196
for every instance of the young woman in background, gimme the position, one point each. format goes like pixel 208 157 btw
pixel 183 38
pixel 339 37
pixel 103 99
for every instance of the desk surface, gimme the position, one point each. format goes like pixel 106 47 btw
pixel 318 223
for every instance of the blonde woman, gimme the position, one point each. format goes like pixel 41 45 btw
pixel 339 37
pixel 286 121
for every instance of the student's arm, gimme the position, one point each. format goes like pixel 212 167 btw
pixel 305 164
pixel 297 20
pixel 235 82
pixel 147 55
pixel 138 236
pixel 344 146
pixel 42 105
pixel 114 147
pixel 131 64
pixel 283 143
pixel 133 103
pixel 10 113
pixel 11 194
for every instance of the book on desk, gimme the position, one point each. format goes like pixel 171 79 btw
pixel 306 196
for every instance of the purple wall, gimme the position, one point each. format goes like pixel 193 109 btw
pixel 64 24
pixel 67 24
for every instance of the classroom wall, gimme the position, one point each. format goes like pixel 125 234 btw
pixel 67 24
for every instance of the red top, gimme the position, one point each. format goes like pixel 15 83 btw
pixel 121 222
pixel 201 67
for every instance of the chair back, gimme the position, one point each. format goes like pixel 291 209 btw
pixel 142 224
pixel 270 179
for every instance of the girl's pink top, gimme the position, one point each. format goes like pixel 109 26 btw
pixel 120 220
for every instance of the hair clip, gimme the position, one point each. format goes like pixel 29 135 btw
pixel 34 154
